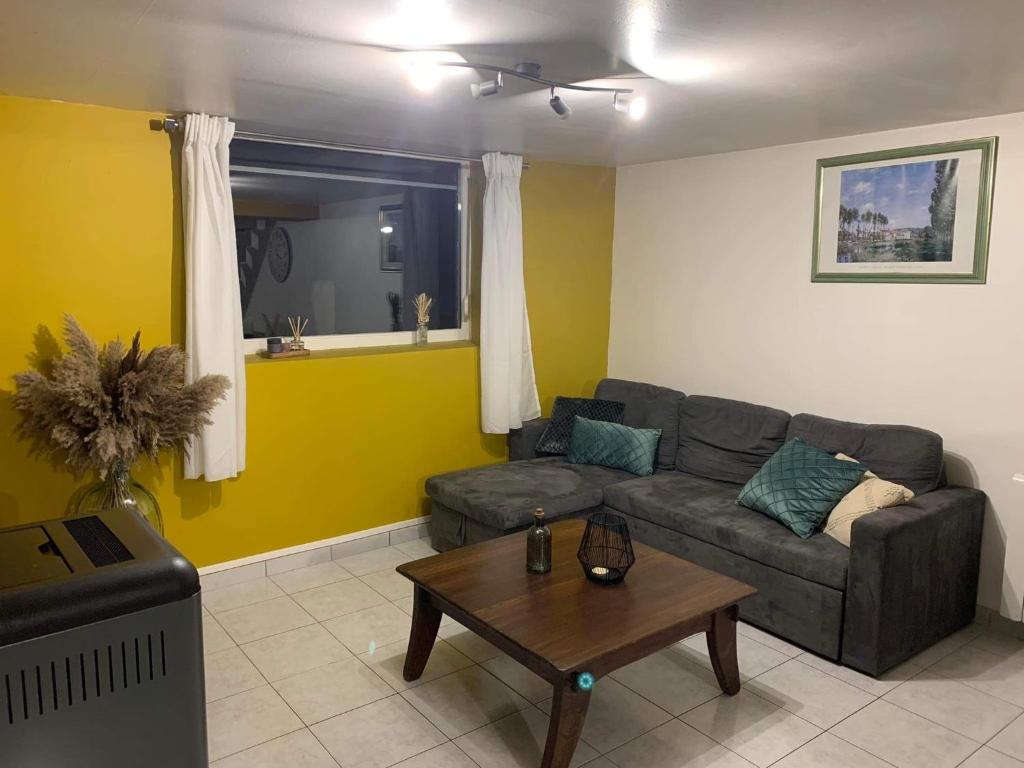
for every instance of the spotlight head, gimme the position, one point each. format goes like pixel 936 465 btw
pixel 426 69
pixel 563 110
pixel 486 87
pixel 636 107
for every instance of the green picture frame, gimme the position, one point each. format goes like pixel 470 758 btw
pixel 940 213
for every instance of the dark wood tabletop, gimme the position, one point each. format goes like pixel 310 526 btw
pixel 564 618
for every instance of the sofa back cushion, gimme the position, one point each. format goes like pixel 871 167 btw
pixel 648 407
pixel 727 439
pixel 906 455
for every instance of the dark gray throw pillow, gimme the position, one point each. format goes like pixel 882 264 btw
pixel 556 436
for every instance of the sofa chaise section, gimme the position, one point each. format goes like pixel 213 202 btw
pixel 478 504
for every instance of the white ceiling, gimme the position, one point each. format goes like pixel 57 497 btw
pixel 734 73
pixel 305 191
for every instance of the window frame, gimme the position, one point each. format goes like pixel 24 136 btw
pixel 397 338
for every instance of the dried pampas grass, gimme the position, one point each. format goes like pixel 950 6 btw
pixel 94 406
pixel 422 303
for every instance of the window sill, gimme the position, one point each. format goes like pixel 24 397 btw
pixel 390 349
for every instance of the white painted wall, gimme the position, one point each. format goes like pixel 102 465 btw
pixel 711 294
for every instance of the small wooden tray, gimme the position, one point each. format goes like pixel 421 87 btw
pixel 286 353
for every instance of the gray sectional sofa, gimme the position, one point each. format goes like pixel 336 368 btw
pixel 908 579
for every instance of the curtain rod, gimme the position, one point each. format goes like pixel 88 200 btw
pixel 172 124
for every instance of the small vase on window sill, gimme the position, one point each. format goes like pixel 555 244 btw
pixel 422 304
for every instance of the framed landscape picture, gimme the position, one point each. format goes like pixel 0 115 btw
pixel 912 215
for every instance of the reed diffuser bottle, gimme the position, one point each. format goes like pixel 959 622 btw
pixel 538 545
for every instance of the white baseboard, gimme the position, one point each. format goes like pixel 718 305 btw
pixel 299 548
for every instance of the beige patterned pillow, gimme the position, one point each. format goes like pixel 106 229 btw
pixel 871 494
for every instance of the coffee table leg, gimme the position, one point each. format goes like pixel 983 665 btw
pixel 568 712
pixel 722 649
pixel 426 618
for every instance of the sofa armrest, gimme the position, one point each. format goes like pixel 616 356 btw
pixel 913 577
pixel 522 442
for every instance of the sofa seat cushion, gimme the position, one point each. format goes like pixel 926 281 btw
pixel 707 510
pixel 505 495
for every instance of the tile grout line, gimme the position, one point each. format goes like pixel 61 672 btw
pixel 857 746
pixel 452 740
pixel 974 687
pixel 712 738
pixel 852 744
pixel 793 714
pixel 315 620
pixel 743 686
pixel 840 738
pixel 946 727
pixel 356 657
pixel 394 692
pixel 260 744
pixel 276 693
pixel 989 742
pixel 535 705
pixel 671 717
pixel 976 751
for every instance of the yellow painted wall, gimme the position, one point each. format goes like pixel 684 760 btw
pixel 568 214
pixel 338 443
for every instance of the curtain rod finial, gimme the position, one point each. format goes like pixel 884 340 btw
pixel 166 124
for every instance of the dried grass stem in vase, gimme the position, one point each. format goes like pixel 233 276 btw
pixel 100 409
pixel 298 326
pixel 422 304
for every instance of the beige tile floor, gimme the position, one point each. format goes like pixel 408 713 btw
pixel 304 671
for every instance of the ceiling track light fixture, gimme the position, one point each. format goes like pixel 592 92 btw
pixel 636 108
pixel 563 110
pixel 486 87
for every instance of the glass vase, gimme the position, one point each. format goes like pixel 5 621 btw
pixel 421 334
pixel 120 491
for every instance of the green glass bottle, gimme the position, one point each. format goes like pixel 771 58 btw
pixel 538 545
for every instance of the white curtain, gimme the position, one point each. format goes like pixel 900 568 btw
pixel 508 388
pixel 213 310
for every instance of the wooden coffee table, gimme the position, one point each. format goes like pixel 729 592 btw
pixel 567 629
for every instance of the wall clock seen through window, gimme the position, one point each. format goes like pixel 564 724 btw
pixel 279 254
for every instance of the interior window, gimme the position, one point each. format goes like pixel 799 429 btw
pixel 346 239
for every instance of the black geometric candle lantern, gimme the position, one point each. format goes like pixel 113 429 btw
pixel 605 550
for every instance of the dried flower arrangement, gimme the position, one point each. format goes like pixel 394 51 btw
pixel 422 304
pixel 94 408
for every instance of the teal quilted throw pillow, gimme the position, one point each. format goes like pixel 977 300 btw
pixel 613 445
pixel 799 485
